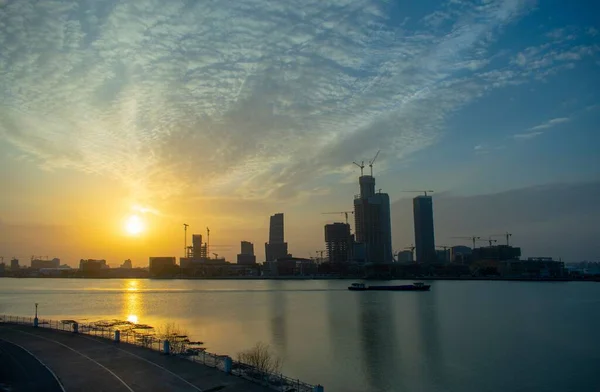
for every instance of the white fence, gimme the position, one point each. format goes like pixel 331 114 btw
pixel 180 348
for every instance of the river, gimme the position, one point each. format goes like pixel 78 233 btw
pixel 460 336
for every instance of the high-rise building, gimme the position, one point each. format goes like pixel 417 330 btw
pixel 246 255
pixel 247 248
pixel 424 237
pixel 276 229
pixel 14 265
pixel 338 241
pixel 373 222
pixel 276 248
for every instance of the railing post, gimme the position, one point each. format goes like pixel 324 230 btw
pixel 36 322
pixel 117 336
pixel 227 364
pixel 166 347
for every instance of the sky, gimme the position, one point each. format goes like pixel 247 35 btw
pixel 218 114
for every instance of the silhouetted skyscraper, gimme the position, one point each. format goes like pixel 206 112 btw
pixel 247 248
pixel 276 229
pixel 372 221
pixel 424 237
pixel 246 255
pixel 339 242
pixel 276 248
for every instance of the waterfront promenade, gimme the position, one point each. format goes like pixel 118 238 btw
pixel 87 363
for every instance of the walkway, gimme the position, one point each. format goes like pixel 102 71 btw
pixel 86 363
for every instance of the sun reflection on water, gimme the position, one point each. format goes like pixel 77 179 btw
pixel 132 301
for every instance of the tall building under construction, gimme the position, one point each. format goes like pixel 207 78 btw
pixel 339 242
pixel 372 222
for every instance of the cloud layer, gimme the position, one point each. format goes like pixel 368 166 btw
pixel 251 98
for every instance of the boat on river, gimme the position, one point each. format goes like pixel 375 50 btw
pixel 408 287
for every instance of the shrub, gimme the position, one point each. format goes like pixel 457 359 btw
pixel 261 357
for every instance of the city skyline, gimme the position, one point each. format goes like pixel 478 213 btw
pixel 115 130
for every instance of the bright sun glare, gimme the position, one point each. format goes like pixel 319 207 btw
pixel 132 318
pixel 134 225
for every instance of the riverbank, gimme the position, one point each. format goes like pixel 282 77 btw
pixel 470 278
pixel 92 359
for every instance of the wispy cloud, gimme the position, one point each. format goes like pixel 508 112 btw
pixel 550 123
pixel 539 129
pixel 246 99
pixel 527 135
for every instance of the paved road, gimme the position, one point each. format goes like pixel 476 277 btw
pixel 21 371
pixel 85 363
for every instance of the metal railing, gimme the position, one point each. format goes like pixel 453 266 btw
pixel 183 349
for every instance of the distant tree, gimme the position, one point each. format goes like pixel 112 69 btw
pixel 261 358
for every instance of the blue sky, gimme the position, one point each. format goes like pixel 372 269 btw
pixel 222 113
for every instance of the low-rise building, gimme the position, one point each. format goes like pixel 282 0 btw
pixel 405 256
pixel 544 267
pixel 160 265
pixel 497 252
pixel 14 265
pixel 291 266
pixel 244 259
pixel 461 254
pixel 91 265
pixel 41 263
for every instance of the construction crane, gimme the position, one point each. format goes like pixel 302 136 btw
pixel 339 212
pixel 362 166
pixel 489 240
pixel 207 241
pixel 216 255
pixel 185 248
pixel 507 235
pixel 425 192
pixel 472 238
pixel 373 161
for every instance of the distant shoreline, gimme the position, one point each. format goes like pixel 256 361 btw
pixel 468 278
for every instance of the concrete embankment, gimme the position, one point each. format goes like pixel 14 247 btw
pixel 86 363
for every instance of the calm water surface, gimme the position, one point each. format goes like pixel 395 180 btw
pixel 461 336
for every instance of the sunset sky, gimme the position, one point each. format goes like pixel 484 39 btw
pixel 221 113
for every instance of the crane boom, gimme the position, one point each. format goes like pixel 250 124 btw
pixel 425 192
pixel 362 166
pixel 339 212
pixel 472 238
pixel 507 235
pixel 373 161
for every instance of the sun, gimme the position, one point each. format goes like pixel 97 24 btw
pixel 134 225
pixel 132 318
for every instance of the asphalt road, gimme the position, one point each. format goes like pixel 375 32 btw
pixel 21 371
pixel 89 364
